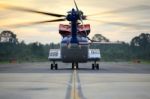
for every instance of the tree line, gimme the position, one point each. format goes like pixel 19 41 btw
pixel 25 52
pixel 138 48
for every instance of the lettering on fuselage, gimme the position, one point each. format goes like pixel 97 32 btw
pixel 94 53
pixel 53 54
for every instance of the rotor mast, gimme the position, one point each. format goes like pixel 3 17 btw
pixel 73 17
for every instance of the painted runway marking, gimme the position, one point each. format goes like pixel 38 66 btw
pixel 74 92
pixel 69 88
pixel 74 89
pixel 80 92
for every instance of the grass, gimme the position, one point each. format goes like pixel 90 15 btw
pixel 22 61
pixel 4 62
pixel 146 61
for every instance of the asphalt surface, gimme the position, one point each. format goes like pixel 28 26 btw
pixel 114 80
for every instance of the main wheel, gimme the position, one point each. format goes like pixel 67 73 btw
pixel 51 66
pixel 97 66
pixel 93 66
pixel 56 66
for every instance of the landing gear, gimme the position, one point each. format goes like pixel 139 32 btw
pixel 95 66
pixel 75 64
pixel 54 66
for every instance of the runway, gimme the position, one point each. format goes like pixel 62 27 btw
pixel 114 80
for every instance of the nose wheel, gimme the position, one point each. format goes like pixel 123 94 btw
pixel 75 65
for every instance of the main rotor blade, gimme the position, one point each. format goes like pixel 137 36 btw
pixel 106 43
pixel 30 10
pixel 80 15
pixel 122 10
pixel 122 24
pixel 98 42
pixel 76 6
pixel 34 23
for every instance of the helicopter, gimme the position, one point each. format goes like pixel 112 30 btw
pixel 74 46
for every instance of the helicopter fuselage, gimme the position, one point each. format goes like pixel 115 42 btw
pixel 74 52
pixel 74 47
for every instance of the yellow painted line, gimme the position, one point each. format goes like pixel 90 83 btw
pixel 74 92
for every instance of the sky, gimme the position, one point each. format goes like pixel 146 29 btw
pixel 115 19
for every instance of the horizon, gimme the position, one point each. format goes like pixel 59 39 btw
pixel 60 41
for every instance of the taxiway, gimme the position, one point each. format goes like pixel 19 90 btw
pixel 114 80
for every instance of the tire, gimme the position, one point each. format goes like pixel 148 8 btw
pixel 72 66
pixel 93 67
pixel 97 66
pixel 77 66
pixel 51 66
pixel 56 66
